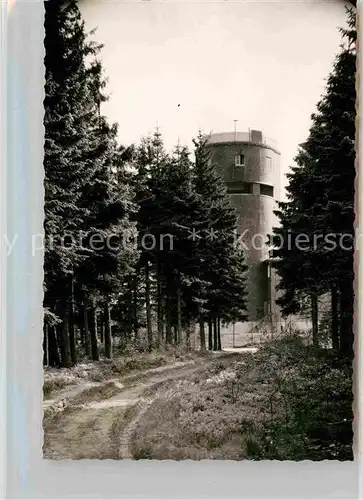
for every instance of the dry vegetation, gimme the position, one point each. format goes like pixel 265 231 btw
pixel 286 402
pixel 130 362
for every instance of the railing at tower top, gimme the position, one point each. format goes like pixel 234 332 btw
pixel 241 137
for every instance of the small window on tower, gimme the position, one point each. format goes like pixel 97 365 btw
pixel 266 190
pixel 239 160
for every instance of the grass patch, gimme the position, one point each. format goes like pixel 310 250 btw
pixel 51 385
pixel 98 393
pixel 126 365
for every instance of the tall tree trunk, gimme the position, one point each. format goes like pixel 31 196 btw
pixel 215 334
pixel 45 345
pixel 193 334
pixel 202 334
pixel 72 326
pixel 65 349
pixel 93 331
pixel 219 344
pixel 87 343
pixel 334 318
pixel 187 335
pixel 178 309
pixel 81 331
pixel 63 334
pixel 134 311
pixel 108 337
pixel 314 318
pixel 160 322
pixel 168 333
pixel 128 306
pixel 346 319
pixel 210 334
pixel 176 338
pixel 102 322
pixel 148 308
pixel 54 359
pixel 159 301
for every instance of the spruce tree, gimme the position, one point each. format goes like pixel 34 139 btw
pixel 222 267
pixel 84 198
pixel 321 201
pixel 68 108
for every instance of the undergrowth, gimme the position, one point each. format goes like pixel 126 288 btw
pixel 288 401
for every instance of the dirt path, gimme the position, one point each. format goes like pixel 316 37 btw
pixel 98 422
pixel 78 392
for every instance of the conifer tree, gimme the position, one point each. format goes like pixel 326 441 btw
pixel 150 160
pixel 321 202
pixel 193 258
pixel 222 266
pixel 68 107
pixel 82 200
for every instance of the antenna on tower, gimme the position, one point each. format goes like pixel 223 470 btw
pixel 157 128
pixel 235 130
pixel 178 149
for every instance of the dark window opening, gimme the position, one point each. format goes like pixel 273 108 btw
pixel 239 187
pixel 266 190
pixel 239 160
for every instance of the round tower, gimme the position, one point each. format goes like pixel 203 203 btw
pixel 250 166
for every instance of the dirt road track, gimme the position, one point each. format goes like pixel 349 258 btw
pixel 102 428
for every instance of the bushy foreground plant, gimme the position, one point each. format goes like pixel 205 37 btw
pixel 310 404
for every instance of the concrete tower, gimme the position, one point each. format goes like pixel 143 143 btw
pixel 250 165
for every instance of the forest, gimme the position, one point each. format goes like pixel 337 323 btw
pixel 140 251
pixel 131 250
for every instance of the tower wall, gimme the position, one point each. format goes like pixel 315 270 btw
pixel 254 188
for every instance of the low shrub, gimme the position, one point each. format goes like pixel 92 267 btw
pixel 310 404
pixel 51 384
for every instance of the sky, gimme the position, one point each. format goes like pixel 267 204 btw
pixel 189 65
